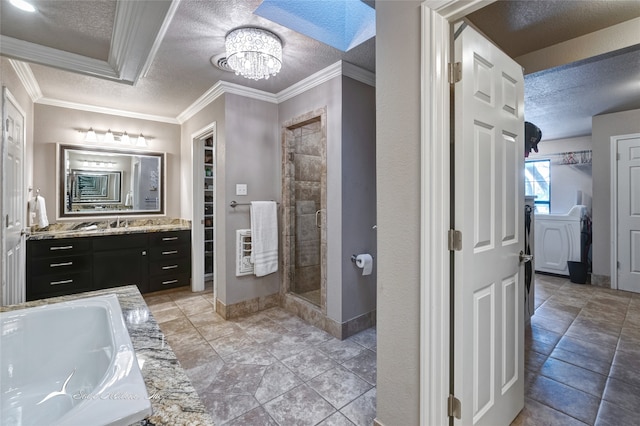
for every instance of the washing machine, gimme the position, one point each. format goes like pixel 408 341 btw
pixel 557 240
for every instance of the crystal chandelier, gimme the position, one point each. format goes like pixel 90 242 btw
pixel 253 53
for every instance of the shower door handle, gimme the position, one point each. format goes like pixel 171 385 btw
pixel 318 222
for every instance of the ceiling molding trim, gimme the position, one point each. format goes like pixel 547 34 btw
pixel 207 97
pixel 137 27
pixel 104 110
pixel 248 92
pixel 310 82
pixel 31 52
pixel 332 71
pixel 453 10
pixel 163 31
pixel 28 80
pixel 616 37
pixel 359 74
pixel 219 89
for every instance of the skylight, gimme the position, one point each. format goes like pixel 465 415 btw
pixel 343 24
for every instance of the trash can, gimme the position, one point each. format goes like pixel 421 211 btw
pixel 577 272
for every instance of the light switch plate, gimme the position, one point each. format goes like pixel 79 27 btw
pixel 241 189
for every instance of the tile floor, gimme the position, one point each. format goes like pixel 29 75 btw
pixel 270 368
pixel 582 356
pixel 582 361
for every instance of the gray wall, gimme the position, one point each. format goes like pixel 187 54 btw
pixel 328 94
pixel 603 128
pixel 398 193
pixel 214 112
pixel 566 180
pixel 358 196
pixel 53 125
pixel 252 156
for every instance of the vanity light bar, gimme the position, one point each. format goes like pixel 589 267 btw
pixel 110 137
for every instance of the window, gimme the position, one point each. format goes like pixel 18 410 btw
pixel 538 183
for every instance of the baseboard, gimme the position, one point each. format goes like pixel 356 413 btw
pixel 601 280
pixel 247 307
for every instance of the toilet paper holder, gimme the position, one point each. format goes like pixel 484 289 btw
pixel 354 257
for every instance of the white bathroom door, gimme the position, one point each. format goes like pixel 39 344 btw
pixel 488 299
pixel 628 219
pixel 13 202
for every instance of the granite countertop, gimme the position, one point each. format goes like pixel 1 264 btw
pixel 173 398
pixel 107 227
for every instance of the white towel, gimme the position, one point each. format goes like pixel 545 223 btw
pixel 38 206
pixel 128 200
pixel 264 237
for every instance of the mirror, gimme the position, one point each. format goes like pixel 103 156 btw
pixel 97 181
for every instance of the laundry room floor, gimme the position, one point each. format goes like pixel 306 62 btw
pixel 582 356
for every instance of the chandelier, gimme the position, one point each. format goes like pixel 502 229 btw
pixel 253 53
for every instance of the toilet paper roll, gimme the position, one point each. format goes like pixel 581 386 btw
pixel 365 262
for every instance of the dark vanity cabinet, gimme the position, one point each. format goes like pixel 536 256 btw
pixel 58 267
pixel 121 260
pixel 152 261
pixel 169 260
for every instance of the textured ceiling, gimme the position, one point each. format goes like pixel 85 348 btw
pixel 561 101
pixel 82 27
pixel 521 27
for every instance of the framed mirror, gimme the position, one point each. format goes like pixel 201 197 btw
pixel 99 181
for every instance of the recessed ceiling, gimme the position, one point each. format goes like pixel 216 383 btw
pixel 338 23
pixel 191 32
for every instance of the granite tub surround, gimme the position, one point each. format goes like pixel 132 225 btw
pixel 110 226
pixel 173 398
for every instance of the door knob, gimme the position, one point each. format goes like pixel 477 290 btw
pixel 524 258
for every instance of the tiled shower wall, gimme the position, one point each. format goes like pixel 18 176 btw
pixel 308 169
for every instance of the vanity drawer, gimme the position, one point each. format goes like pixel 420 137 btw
pixel 163 282
pixel 58 247
pixel 59 284
pixel 116 242
pixel 170 266
pixel 59 265
pixel 172 252
pixel 169 238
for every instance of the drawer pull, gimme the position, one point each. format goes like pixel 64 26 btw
pixel 60 282
pixel 61 248
pixel 169 282
pixel 169 252
pixel 170 267
pixel 169 238
pixel 55 265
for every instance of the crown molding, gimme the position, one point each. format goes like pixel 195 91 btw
pixel 104 110
pixel 219 89
pixel 138 30
pixel 310 82
pixel 359 74
pixel 28 80
pixel 31 52
pixel 332 71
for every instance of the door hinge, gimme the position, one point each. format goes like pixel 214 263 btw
pixel 455 72
pixel 454 408
pixel 455 240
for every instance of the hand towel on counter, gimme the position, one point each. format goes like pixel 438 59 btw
pixel 38 207
pixel 264 237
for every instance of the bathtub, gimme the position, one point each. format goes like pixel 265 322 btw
pixel 70 363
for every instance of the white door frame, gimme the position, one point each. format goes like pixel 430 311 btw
pixel 614 204
pixel 435 324
pixel 197 211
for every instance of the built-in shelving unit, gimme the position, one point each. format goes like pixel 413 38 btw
pixel 209 197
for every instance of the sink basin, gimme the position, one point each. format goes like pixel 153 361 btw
pixel 70 363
